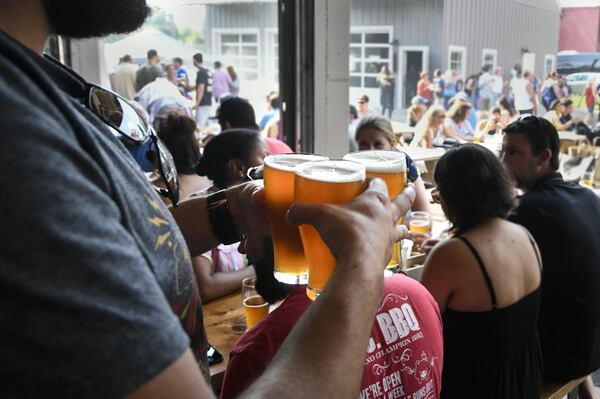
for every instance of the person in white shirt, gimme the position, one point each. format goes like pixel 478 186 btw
pixel 123 79
pixel 523 94
pixel 497 84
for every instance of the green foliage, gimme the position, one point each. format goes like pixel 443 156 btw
pixel 189 36
pixel 164 22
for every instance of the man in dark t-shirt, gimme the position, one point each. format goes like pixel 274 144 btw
pixel 203 92
pixel 149 72
pixel 564 219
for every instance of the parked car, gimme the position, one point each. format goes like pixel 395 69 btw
pixel 578 81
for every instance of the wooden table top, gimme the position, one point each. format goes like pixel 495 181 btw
pixel 225 323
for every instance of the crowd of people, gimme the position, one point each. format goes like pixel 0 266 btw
pixel 483 104
pixel 103 281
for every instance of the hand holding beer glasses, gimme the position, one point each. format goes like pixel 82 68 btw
pixel 255 307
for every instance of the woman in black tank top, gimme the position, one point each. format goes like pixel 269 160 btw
pixel 486 282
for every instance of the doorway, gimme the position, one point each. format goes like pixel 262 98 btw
pixel 412 61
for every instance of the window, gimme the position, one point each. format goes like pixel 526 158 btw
pixel 370 49
pixel 549 64
pixel 272 55
pixel 239 48
pixel 457 59
pixel 490 59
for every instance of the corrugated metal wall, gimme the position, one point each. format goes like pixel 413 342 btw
pixel 261 15
pixel 415 22
pixel 507 26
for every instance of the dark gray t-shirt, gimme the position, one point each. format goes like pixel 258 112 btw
pixel 96 283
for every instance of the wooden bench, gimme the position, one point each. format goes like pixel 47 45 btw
pixel 558 390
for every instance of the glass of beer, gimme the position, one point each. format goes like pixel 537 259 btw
pixel 255 307
pixel 419 223
pixel 391 167
pixel 290 262
pixel 324 182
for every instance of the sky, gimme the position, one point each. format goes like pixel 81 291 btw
pixel 187 13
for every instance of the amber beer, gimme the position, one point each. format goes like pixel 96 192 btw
pixel 255 308
pixel 324 182
pixel 391 167
pixel 290 262
pixel 420 222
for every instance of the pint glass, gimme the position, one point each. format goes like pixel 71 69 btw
pixel 255 307
pixel 391 167
pixel 290 262
pixel 325 182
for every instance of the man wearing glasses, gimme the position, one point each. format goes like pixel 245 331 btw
pixel 564 219
pixel 98 297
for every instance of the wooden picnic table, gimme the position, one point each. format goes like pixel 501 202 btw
pixel 224 322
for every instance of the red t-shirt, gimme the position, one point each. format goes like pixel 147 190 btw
pixel 275 146
pixel 404 355
pixel 423 89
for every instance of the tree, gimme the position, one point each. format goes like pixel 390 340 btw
pixel 189 36
pixel 162 21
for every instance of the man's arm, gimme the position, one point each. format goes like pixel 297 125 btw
pixel 246 204
pixel 199 93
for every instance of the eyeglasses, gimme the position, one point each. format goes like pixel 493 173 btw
pixel 255 173
pixel 138 136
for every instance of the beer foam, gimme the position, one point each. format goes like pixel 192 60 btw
pixel 288 162
pixel 379 161
pixel 337 171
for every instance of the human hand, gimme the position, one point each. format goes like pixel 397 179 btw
pixel 361 231
pixel 247 207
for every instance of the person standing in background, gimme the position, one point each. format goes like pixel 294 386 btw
pixel 221 82
pixel 424 87
pixel 234 86
pixel 124 78
pixel 497 85
pixel 203 92
pixel 182 76
pixel 523 94
pixel 590 101
pixel 386 90
pixel 149 72
pixel 486 94
pixel 363 106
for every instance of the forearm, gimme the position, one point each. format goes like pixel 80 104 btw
pixel 421 202
pixel 333 335
pixel 222 283
pixel 193 221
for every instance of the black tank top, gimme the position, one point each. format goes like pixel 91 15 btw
pixel 496 353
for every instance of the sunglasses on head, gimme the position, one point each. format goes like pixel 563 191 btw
pixel 138 136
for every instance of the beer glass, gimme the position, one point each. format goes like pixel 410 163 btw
pixel 290 262
pixel 420 223
pixel 255 307
pixel 391 167
pixel 324 182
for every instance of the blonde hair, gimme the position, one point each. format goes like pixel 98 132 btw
pixel 377 122
pixel 458 111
